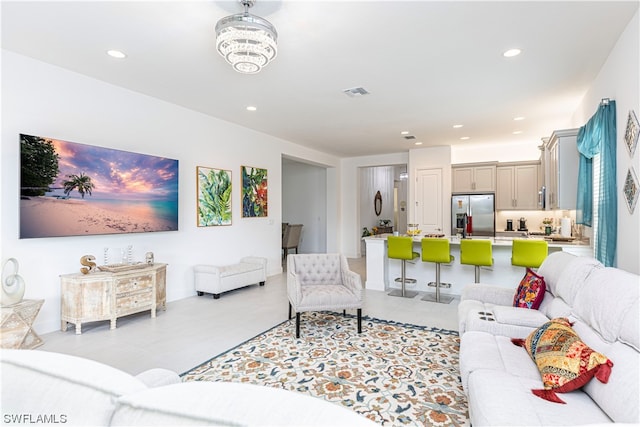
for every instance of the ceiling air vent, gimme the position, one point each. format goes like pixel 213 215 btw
pixel 409 137
pixel 355 91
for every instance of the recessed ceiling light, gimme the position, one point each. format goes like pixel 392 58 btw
pixel 418 143
pixel 517 119
pixel 404 132
pixel 464 138
pixel 116 54
pixel 457 126
pixel 517 132
pixel 511 53
pixel 251 108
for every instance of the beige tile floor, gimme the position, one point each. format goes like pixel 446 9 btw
pixel 195 329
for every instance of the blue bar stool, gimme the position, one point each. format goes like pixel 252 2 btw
pixel 437 251
pixel 476 252
pixel 402 248
pixel 529 253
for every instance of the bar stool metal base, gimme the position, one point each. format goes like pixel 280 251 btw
pixel 442 285
pixel 407 280
pixel 403 292
pixel 443 299
pixel 400 293
pixel 436 297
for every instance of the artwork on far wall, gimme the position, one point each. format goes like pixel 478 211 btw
pixel 632 132
pixel 631 190
pixel 254 192
pixel 214 196
pixel 71 189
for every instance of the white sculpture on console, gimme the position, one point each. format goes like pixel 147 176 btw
pixel 12 285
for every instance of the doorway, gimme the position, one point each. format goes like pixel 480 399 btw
pixel 391 183
pixel 304 201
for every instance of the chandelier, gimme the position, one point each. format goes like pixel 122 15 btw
pixel 246 41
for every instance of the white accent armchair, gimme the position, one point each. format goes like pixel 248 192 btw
pixel 318 282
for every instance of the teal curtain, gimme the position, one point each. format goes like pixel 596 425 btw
pixel 598 136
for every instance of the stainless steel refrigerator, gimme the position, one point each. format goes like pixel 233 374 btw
pixel 480 208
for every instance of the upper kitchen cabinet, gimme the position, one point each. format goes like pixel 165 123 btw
pixel 517 186
pixel 473 178
pixel 561 169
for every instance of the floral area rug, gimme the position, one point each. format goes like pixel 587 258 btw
pixel 395 374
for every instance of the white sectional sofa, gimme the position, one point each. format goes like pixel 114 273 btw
pixel 498 376
pixel 215 280
pixel 40 387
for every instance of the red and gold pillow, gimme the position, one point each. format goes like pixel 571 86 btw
pixel 564 361
pixel 530 292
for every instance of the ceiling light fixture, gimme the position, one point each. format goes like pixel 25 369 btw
pixel 251 108
pixel 116 54
pixel 247 42
pixel 457 126
pixel 404 132
pixel 517 119
pixel 418 143
pixel 511 53
pixel 464 138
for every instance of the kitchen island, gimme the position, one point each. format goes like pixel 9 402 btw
pixel 381 271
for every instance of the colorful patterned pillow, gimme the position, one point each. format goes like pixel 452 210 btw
pixel 564 361
pixel 530 292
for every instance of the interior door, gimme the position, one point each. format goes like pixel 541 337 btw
pixel 429 203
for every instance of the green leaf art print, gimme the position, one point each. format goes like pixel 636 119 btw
pixel 254 192
pixel 214 197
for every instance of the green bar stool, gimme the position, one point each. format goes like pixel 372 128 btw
pixel 476 252
pixel 402 248
pixel 437 251
pixel 529 253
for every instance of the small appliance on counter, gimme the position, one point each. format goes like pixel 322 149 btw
pixel 522 224
pixel 509 225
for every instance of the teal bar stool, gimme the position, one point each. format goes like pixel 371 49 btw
pixel 476 252
pixel 402 248
pixel 437 251
pixel 529 253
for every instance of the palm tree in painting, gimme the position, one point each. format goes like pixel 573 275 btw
pixel 80 182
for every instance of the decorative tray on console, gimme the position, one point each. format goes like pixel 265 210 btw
pixel 117 268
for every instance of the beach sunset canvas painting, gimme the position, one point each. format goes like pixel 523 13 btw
pixel 72 189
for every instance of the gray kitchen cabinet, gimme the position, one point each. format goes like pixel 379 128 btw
pixel 517 186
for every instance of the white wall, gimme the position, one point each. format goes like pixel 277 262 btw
pixel 618 80
pixel 304 201
pixel 40 99
pixel 430 158
pixel 515 152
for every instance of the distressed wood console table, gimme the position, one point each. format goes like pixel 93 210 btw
pixel 110 295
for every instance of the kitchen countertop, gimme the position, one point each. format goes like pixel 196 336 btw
pixel 501 240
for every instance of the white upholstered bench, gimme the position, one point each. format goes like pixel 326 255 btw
pixel 218 279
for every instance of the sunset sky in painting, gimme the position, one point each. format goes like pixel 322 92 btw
pixel 118 174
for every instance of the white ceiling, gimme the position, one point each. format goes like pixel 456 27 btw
pixel 428 65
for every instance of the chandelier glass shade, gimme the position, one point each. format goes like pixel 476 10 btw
pixel 246 41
